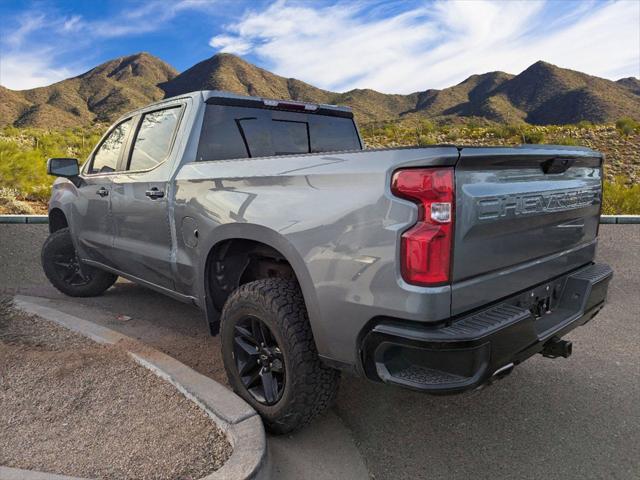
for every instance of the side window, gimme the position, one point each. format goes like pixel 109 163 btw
pixel 106 158
pixel 153 141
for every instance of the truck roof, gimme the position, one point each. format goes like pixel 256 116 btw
pixel 209 96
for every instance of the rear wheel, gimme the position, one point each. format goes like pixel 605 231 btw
pixel 65 272
pixel 270 355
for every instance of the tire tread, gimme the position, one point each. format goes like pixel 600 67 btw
pixel 315 385
pixel 100 280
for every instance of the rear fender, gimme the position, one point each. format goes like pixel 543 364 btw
pixel 257 233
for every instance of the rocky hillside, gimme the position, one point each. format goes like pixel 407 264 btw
pixel 99 95
pixel 542 94
pixel 231 73
pixel 631 83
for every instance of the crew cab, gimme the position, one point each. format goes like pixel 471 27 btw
pixel 437 269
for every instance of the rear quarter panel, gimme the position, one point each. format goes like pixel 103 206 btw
pixel 333 218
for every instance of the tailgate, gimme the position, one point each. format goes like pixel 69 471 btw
pixel 523 215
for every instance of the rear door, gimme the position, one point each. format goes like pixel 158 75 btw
pixel 139 204
pixel 523 216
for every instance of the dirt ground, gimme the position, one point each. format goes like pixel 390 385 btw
pixel 74 407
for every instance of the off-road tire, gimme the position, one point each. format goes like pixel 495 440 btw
pixel 97 280
pixel 310 386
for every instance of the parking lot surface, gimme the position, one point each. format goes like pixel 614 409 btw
pixel 564 418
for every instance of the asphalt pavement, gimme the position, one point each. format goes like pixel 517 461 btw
pixel 565 418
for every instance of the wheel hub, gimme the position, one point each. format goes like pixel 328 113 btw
pixel 259 360
pixel 68 268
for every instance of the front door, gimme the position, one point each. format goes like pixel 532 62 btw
pixel 92 222
pixel 139 204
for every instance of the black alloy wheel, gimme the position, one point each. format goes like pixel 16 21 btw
pixel 259 360
pixel 67 272
pixel 270 355
pixel 68 268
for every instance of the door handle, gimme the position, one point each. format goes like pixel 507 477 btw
pixel 154 193
pixel 103 192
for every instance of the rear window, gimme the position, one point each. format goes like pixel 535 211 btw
pixel 241 132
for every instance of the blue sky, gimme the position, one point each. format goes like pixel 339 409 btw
pixel 390 46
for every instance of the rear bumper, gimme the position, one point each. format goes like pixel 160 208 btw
pixel 468 351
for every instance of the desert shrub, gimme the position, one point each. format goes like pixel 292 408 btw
pixel 626 126
pixel 505 131
pixel 24 153
pixel 390 131
pixel 424 140
pixel 11 204
pixel 23 170
pixel 567 141
pixel 530 135
pixel 452 135
pixel 426 126
pixel 584 124
pixel 620 198
pixel 473 124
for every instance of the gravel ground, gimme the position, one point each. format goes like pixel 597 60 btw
pixel 74 407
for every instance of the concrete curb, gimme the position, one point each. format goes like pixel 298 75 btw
pixel 241 423
pixel 24 219
pixel 8 473
pixel 609 219
pixel 620 219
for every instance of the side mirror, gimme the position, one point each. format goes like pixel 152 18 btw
pixel 63 167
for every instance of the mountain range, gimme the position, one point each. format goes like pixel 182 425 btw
pixel 541 94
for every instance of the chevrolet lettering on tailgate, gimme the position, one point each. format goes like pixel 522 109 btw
pixel 537 203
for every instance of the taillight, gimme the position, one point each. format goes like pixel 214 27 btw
pixel 426 246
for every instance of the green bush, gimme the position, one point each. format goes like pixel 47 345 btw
pixel 584 124
pixel 24 154
pixel 9 203
pixel 567 141
pixel 424 140
pixel 426 126
pixel 626 126
pixel 532 136
pixel 523 132
pixel 505 131
pixel 452 135
pixel 620 198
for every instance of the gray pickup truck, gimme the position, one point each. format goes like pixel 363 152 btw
pixel 436 269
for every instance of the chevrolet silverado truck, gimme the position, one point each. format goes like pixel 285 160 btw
pixel 436 269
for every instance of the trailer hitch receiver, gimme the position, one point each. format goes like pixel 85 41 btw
pixel 556 347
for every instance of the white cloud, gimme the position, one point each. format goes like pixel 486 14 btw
pixel 145 17
pixel 230 44
pixel 20 72
pixel 26 24
pixel 27 61
pixel 72 24
pixel 438 44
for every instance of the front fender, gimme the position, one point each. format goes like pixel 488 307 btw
pixel 63 194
